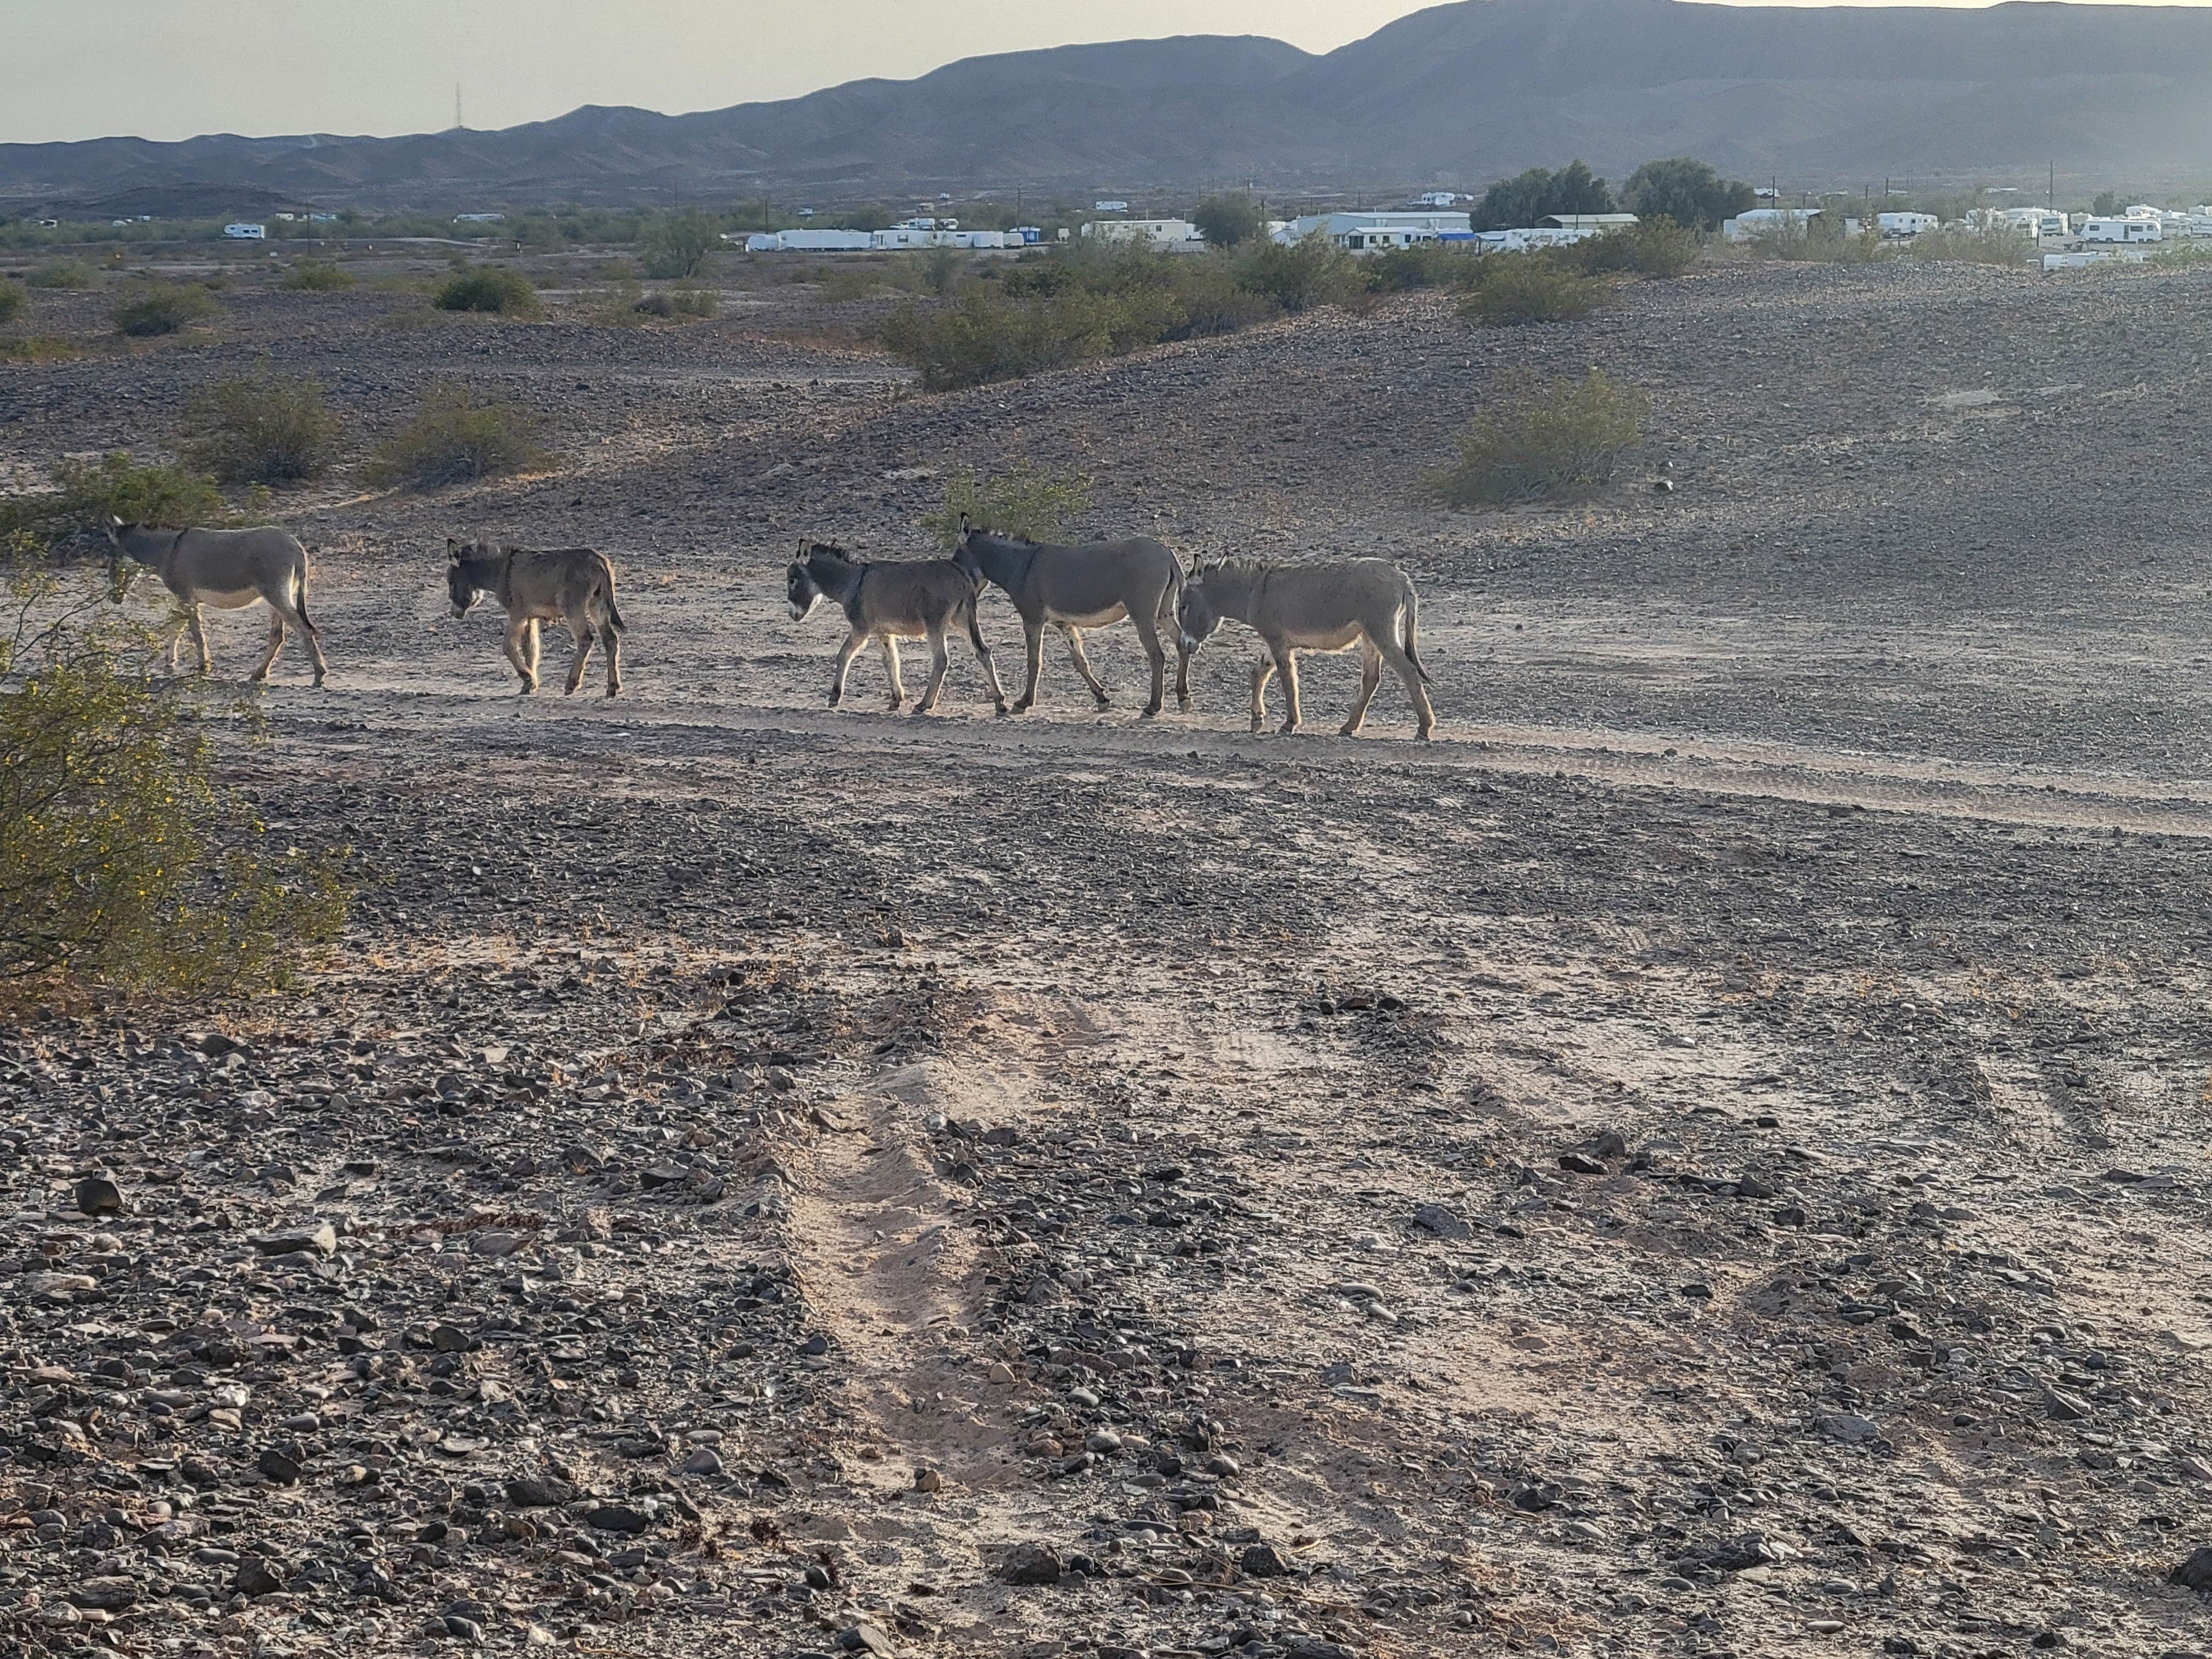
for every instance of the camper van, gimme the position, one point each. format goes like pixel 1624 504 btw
pixel 2123 230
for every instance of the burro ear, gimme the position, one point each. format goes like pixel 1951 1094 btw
pixel 452 549
pixel 114 526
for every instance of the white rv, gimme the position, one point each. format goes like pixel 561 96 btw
pixel 2123 230
pixel 1894 225
pixel 246 233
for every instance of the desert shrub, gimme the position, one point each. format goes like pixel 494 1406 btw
pixel 13 302
pixel 40 348
pixel 679 302
pixel 121 860
pixel 1211 301
pixel 155 308
pixel 1428 265
pixel 495 288
pixel 1998 245
pixel 1513 288
pixel 83 494
pixel 1658 248
pixel 61 273
pixel 1823 240
pixel 1687 191
pixel 981 337
pixel 940 270
pixel 1302 275
pixel 317 277
pixel 1561 443
pixel 458 435
pixel 262 430
pixel 1228 220
pixel 1037 505
pixel 677 244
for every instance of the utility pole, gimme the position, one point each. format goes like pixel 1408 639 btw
pixel 459 125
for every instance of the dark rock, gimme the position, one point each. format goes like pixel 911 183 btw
pixel 815 1346
pixel 864 1637
pixel 1265 1561
pixel 1437 1219
pixel 317 1238
pixel 1580 1164
pixel 1313 1647
pixel 278 1467
pixel 2066 1407
pixel 98 1196
pixel 2195 1573
pixel 617 1517
pixel 467 1629
pixel 662 1175
pixel 540 1493
pixel 109 1595
pixel 1033 1564
pixel 256 1576
pixel 448 1338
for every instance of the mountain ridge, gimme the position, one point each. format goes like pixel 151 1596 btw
pixel 1458 93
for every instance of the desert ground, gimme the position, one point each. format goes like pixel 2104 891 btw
pixel 1708 1157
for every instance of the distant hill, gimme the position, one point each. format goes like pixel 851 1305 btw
pixel 1457 94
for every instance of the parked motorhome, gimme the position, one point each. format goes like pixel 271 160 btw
pixel 244 232
pixel 2127 230
pixel 1895 227
pixel 1159 233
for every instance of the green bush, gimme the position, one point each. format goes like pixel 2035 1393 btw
pixel 1999 245
pixel 456 437
pixel 1519 201
pixel 1426 264
pixel 317 277
pixel 13 302
pixel 262 430
pixel 1562 443
pixel 1038 507
pixel 495 288
pixel 61 273
pixel 40 348
pixel 672 244
pixel 155 308
pixel 1822 240
pixel 85 493
pixel 1658 248
pixel 981 337
pixel 1515 289
pixel 679 302
pixel 1302 275
pixel 121 861
pixel 1228 220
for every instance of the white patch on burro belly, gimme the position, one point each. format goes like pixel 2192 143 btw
pixel 232 601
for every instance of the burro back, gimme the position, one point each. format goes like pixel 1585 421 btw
pixel 1072 586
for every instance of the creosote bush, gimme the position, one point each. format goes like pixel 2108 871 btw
pixel 492 288
pixel 13 302
pixel 40 348
pixel 1656 248
pixel 61 273
pixel 1038 507
pixel 1564 442
pixel 1513 288
pixel 317 277
pixel 456 437
pixel 85 493
pixel 149 309
pixel 689 301
pixel 672 244
pixel 262 430
pixel 122 861
pixel 1999 245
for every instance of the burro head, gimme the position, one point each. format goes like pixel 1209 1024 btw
pixel 1196 619
pixel 799 586
pixel 463 583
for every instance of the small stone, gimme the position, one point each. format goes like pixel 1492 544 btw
pixel 278 1467
pixel 1104 1442
pixel 926 1479
pixel 108 1595
pixel 98 1196
pixel 1032 1564
pixel 1265 1561
pixel 319 1238
pixel 662 1175
pixel 1851 1430
pixel 705 1461
pixel 617 1517
pixel 255 1577
pixel 449 1339
pixel 497 1245
pixel 815 1346
pixel 1001 1373
pixel 2065 1407
pixel 864 1637
pixel 1580 1164
pixel 467 1629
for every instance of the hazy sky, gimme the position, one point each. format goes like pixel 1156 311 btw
pixel 168 68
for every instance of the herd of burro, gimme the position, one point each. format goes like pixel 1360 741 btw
pixel 1332 606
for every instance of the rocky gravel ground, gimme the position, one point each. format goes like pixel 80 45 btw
pixel 1708 1159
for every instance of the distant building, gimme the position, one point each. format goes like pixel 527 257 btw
pixel 1597 224
pixel 1439 198
pixel 1109 206
pixel 1377 233
pixel 479 218
pixel 244 233
pixel 1159 233
pixel 1754 223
